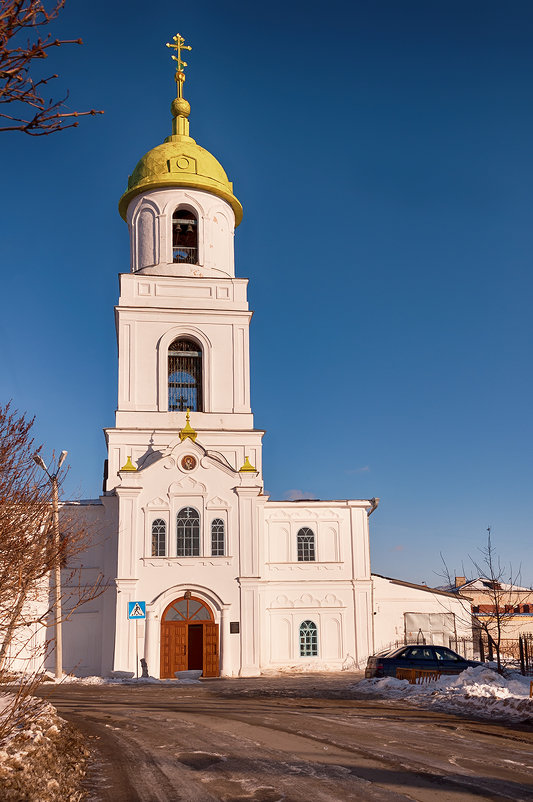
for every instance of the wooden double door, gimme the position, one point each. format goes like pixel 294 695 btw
pixel 189 638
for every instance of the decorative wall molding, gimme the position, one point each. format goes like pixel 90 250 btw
pixel 187 485
pixel 158 503
pixel 282 602
pixel 216 503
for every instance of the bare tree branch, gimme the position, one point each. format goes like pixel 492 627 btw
pixel 500 595
pixel 32 114
pixel 28 554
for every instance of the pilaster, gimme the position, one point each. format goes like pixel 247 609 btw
pixel 151 642
pixel 129 546
pixel 226 663
pixel 125 630
pixel 248 526
pixel 250 629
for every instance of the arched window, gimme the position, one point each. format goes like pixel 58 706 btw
pixel 217 537
pixel 188 533
pixel 308 639
pixel 306 545
pixel 184 237
pixel 184 375
pixel 190 609
pixel 159 535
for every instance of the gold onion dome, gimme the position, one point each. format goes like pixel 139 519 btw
pixel 180 161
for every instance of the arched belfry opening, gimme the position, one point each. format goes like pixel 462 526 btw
pixel 185 376
pixel 189 638
pixel 184 237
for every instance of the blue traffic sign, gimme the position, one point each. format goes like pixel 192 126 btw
pixel 137 609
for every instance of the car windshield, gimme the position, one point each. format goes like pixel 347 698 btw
pixel 394 653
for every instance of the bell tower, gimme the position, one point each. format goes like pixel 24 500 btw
pixel 182 319
pixel 231 581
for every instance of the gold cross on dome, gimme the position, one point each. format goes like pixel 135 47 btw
pixel 179 46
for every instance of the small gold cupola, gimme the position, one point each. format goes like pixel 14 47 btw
pixel 188 431
pixel 180 161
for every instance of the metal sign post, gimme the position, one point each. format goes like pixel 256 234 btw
pixel 136 612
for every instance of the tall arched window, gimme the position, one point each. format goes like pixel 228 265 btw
pixel 217 538
pixel 184 237
pixel 188 533
pixel 306 545
pixel 184 375
pixel 159 536
pixel 308 639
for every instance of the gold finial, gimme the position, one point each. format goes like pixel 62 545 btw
pixel 178 46
pixel 247 466
pixel 187 430
pixel 129 466
pixel 180 107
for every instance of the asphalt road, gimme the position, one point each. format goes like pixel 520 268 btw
pixel 298 739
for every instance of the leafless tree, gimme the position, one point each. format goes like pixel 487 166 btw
pixel 28 554
pixel 26 549
pixel 501 594
pixel 22 104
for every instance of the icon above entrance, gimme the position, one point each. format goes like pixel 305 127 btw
pixel 189 638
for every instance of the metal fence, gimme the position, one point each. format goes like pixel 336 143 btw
pixel 514 652
pixel 185 255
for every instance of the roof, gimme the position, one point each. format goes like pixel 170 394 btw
pixel 438 591
pixel 483 584
pixel 180 162
pixel 83 502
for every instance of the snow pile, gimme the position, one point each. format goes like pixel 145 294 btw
pixel 42 759
pixel 125 680
pixel 67 679
pixel 477 690
pixel 300 668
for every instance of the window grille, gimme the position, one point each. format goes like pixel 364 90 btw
pixel 159 532
pixel 306 545
pixel 217 537
pixel 188 533
pixel 184 376
pixel 308 639
pixel 188 610
pixel 184 237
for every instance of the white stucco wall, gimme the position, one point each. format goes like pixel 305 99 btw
pixel 150 226
pixel 88 589
pixel 439 615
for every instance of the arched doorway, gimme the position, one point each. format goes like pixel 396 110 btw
pixel 189 638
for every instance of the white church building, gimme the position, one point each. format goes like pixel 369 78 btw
pixel 234 582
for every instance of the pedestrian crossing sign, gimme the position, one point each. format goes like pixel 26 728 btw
pixel 137 609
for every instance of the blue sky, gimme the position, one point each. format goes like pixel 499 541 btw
pixel 382 153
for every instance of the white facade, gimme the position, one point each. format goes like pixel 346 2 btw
pixel 407 613
pixel 258 591
pixel 275 584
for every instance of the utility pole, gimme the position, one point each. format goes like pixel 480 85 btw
pixel 57 582
pixel 57 566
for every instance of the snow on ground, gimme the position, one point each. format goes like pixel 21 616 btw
pixel 478 690
pixel 481 690
pixel 126 680
pixel 41 758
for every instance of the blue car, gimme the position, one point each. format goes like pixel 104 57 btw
pixel 434 658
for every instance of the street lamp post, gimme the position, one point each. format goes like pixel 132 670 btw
pixel 57 567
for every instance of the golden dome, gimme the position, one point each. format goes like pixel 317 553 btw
pixel 179 161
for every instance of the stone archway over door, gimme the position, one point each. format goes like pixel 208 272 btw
pixel 189 638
